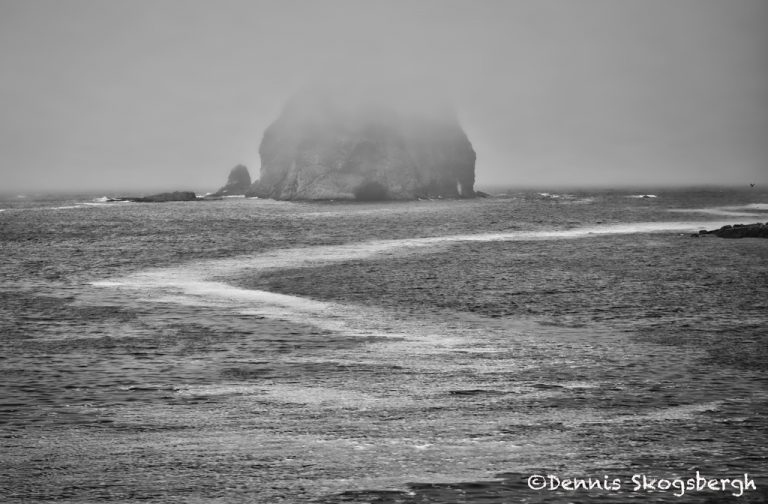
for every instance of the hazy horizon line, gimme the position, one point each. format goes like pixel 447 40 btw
pixel 645 188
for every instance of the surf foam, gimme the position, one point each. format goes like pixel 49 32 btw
pixel 203 283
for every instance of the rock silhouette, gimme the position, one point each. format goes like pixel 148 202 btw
pixel 161 197
pixel 239 182
pixel 757 230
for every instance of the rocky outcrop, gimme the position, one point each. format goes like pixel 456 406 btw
pixel 239 182
pixel 757 230
pixel 162 197
pixel 327 147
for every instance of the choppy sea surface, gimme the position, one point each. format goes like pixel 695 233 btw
pixel 246 350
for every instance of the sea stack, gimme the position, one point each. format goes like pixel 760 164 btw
pixel 239 182
pixel 327 146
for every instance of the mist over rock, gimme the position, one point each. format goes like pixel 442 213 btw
pixel 334 146
pixel 239 182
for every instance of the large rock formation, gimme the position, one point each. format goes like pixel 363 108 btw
pixel 329 147
pixel 239 182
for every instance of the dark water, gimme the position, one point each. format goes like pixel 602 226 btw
pixel 435 351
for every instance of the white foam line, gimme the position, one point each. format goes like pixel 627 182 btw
pixel 104 204
pixel 63 207
pixel 685 412
pixel 735 211
pixel 192 273
pixel 312 256
pixel 197 284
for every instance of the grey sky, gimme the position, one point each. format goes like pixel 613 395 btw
pixel 170 94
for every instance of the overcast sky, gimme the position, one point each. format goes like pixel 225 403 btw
pixel 171 94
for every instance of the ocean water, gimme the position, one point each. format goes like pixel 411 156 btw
pixel 246 350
